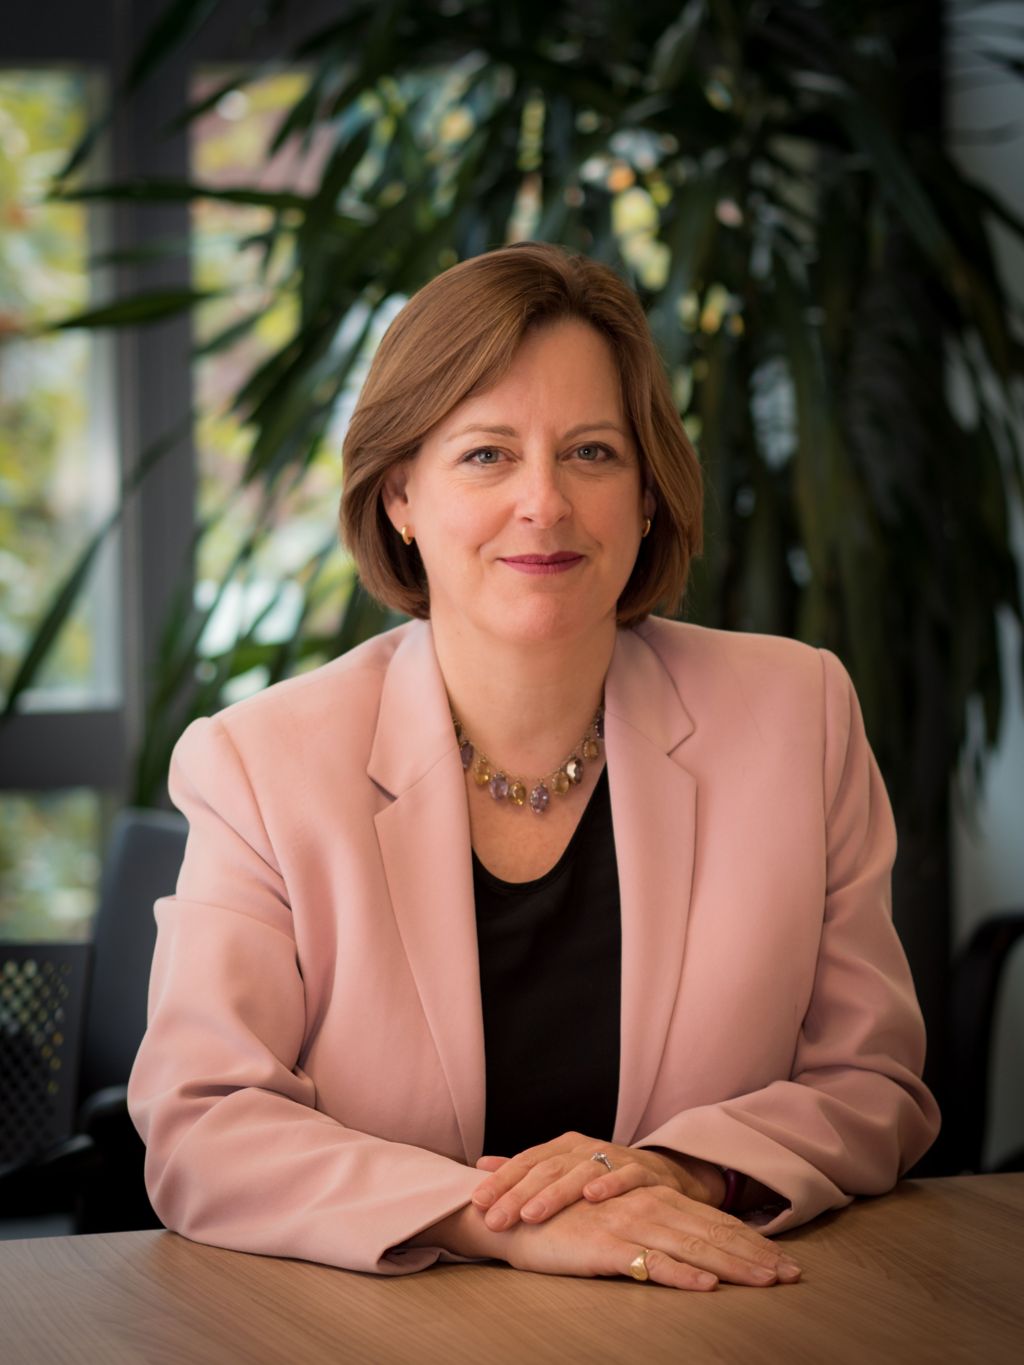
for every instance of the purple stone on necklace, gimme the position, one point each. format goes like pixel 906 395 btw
pixel 539 799
pixel 498 786
pixel 466 753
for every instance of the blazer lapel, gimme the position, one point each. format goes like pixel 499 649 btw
pixel 424 840
pixel 653 803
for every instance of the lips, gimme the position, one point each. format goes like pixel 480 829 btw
pixel 561 557
pixel 560 562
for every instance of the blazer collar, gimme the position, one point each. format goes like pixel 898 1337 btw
pixel 425 845
pixel 414 726
pixel 640 692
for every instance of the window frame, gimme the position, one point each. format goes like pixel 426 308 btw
pixel 151 373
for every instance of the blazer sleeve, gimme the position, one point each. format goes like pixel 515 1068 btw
pixel 237 1153
pixel 854 1114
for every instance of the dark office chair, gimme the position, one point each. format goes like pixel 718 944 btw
pixel 42 1008
pixel 974 994
pixel 71 1020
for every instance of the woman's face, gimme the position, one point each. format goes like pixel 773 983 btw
pixel 525 500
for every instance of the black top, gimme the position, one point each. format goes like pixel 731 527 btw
pixel 550 968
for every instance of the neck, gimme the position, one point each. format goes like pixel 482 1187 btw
pixel 525 706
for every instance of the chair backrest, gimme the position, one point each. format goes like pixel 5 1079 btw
pixel 977 972
pixel 43 989
pixel 143 858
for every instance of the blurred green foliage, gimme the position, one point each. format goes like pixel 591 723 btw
pixel 46 498
pixel 813 264
pixel 49 864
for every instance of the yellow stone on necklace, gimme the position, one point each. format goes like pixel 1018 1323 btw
pixel 517 794
pixel 560 783
pixel 481 772
pixel 590 749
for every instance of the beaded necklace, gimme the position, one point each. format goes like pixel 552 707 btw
pixel 504 787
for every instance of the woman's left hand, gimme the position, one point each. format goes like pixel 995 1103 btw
pixel 539 1182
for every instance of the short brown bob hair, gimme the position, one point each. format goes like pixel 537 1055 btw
pixel 456 336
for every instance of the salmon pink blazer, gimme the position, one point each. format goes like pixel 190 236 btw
pixel 311 1082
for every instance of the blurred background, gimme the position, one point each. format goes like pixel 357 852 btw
pixel 209 212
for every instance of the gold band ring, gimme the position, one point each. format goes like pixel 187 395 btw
pixel 638 1265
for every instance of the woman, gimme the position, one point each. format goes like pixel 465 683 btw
pixel 538 928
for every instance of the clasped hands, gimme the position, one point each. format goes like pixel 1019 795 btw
pixel 555 1195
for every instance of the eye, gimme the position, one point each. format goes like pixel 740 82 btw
pixel 485 455
pixel 592 453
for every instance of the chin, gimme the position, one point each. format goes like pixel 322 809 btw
pixel 544 621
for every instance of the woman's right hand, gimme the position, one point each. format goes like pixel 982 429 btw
pixel 690 1245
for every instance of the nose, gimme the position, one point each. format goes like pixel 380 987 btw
pixel 543 498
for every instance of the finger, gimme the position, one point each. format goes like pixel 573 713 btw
pixel 534 1184
pixel 501 1179
pixel 504 1178
pixel 692 1225
pixel 630 1176
pixel 563 1191
pixel 739 1238
pixel 538 1201
pixel 722 1228
pixel 490 1163
pixel 716 1249
pixel 665 1269
pixel 512 1170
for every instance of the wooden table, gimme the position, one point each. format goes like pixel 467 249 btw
pixel 932 1273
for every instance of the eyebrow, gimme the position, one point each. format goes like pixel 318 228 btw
pixel 511 431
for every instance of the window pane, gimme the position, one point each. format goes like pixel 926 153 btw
pixel 229 150
pixel 49 864
pixel 57 458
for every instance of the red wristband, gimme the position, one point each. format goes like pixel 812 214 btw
pixel 734 1183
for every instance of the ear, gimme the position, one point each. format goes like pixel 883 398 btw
pixel 395 495
pixel 650 503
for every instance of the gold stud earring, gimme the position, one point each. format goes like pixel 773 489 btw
pixel 406 536
pixel 646 527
